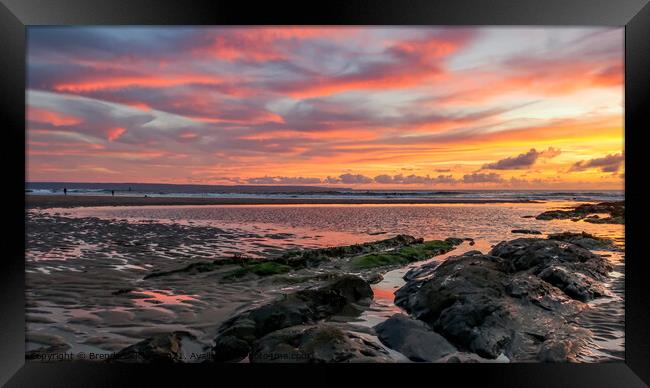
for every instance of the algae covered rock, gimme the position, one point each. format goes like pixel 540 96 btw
pixel 315 344
pixel 339 296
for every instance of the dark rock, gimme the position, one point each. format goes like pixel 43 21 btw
pixel 605 220
pixel 340 296
pixel 454 240
pixel 163 348
pixel 47 353
pixel 555 215
pixel 421 271
pixel 585 212
pixel 525 231
pixel 314 257
pixel 374 278
pixel 461 357
pixel 510 302
pixel 585 240
pixel 122 291
pixel 200 267
pixel 575 284
pixel 229 348
pixel 526 253
pixel 563 347
pixel 413 338
pixel 404 255
pixel 528 288
pixel 290 260
pixel 315 344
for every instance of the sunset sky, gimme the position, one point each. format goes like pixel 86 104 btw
pixel 398 107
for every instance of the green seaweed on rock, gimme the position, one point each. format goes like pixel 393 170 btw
pixel 405 255
pixel 264 268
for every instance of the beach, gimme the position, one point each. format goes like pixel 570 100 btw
pixel 106 273
pixel 54 201
pixel 325 195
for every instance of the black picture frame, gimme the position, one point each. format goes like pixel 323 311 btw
pixel 16 15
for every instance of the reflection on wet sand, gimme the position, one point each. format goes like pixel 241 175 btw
pixel 85 266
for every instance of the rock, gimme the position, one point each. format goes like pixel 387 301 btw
pixel 463 293
pixel 413 338
pixel 605 220
pixel 163 348
pixel 585 212
pixel 48 353
pixel 563 347
pixel 315 344
pixel 454 240
pixel 526 253
pixel 585 240
pixel 228 347
pixel 555 215
pixel 421 271
pixel 401 256
pixel 122 291
pixel 575 284
pixel 510 302
pixel 314 257
pixel 614 208
pixel 528 288
pixel 374 278
pixel 525 231
pixel 290 260
pixel 262 268
pixel 340 296
pixel 203 266
pixel 461 357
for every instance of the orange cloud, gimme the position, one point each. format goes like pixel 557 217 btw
pixel 51 117
pixel 115 133
pixel 552 79
pixel 151 81
pixel 263 44
pixel 413 62
pixel 139 105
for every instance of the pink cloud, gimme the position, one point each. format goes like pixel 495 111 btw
pixel 115 133
pixel 57 119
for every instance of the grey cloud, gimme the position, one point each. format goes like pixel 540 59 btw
pixel 332 180
pixel 266 180
pixel 482 178
pixel 355 178
pixel 610 163
pixel 522 161
pixel 414 179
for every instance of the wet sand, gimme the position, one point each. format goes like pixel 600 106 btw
pixel 69 201
pixel 86 286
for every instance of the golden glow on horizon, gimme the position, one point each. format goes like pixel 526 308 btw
pixel 353 107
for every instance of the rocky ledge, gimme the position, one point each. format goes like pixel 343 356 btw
pixel 517 301
pixel 589 213
pixel 345 295
pixel 363 258
pixel 586 240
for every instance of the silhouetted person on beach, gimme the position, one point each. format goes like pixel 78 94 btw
pixel 112 193
pixel 65 191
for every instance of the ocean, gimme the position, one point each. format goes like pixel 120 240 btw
pixel 312 192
